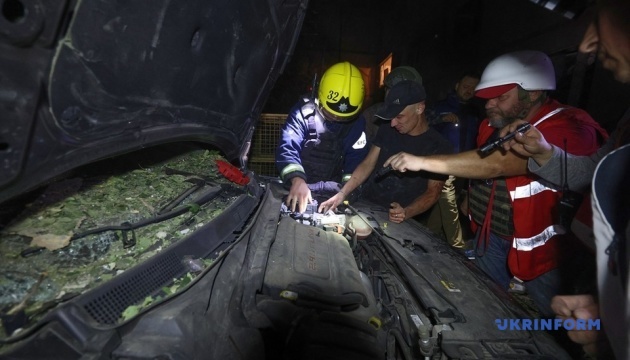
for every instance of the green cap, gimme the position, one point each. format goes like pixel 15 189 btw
pixel 402 73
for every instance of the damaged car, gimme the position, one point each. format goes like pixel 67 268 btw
pixel 133 229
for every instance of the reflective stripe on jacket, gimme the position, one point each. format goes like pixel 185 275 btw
pixel 319 150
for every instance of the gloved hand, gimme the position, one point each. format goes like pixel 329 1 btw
pixel 325 186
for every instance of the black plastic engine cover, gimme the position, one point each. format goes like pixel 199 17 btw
pixel 314 268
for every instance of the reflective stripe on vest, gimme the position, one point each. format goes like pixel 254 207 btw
pixel 529 244
pixel 529 190
pixel 532 189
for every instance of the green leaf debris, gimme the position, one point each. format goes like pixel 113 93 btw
pixel 95 200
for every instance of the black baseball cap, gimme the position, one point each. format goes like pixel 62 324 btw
pixel 400 96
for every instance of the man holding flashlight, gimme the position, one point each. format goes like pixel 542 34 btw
pixel 512 211
pixel 608 169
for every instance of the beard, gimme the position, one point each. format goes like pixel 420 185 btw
pixel 499 118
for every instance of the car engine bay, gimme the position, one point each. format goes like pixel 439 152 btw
pixel 249 275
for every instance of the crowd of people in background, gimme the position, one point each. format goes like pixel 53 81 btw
pixel 510 194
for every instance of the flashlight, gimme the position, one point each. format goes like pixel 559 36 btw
pixel 493 145
pixel 384 170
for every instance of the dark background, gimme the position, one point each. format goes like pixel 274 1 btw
pixel 442 39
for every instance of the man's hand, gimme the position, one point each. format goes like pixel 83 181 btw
pixel 396 213
pixel 578 307
pixel 530 144
pixel 404 161
pixel 331 204
pixel 299 194
pixel 450 117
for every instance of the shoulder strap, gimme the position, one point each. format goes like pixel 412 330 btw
pixel 548 115
pixel 308 113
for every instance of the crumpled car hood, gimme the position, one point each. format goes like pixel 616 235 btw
pixel 87 80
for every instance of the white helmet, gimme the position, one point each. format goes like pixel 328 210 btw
pixel 531 70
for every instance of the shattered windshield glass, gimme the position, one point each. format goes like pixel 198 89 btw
pixel 84 230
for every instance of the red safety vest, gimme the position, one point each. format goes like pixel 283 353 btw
pixel 537 235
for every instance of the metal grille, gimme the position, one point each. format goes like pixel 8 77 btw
pixel 264 168
pixel 108 307
pixel 266 136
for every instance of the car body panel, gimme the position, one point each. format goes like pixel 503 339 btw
pixel 125 76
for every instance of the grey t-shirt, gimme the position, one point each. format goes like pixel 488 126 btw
pixel 580 169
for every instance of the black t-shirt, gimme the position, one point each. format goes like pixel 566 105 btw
pixel 395 186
